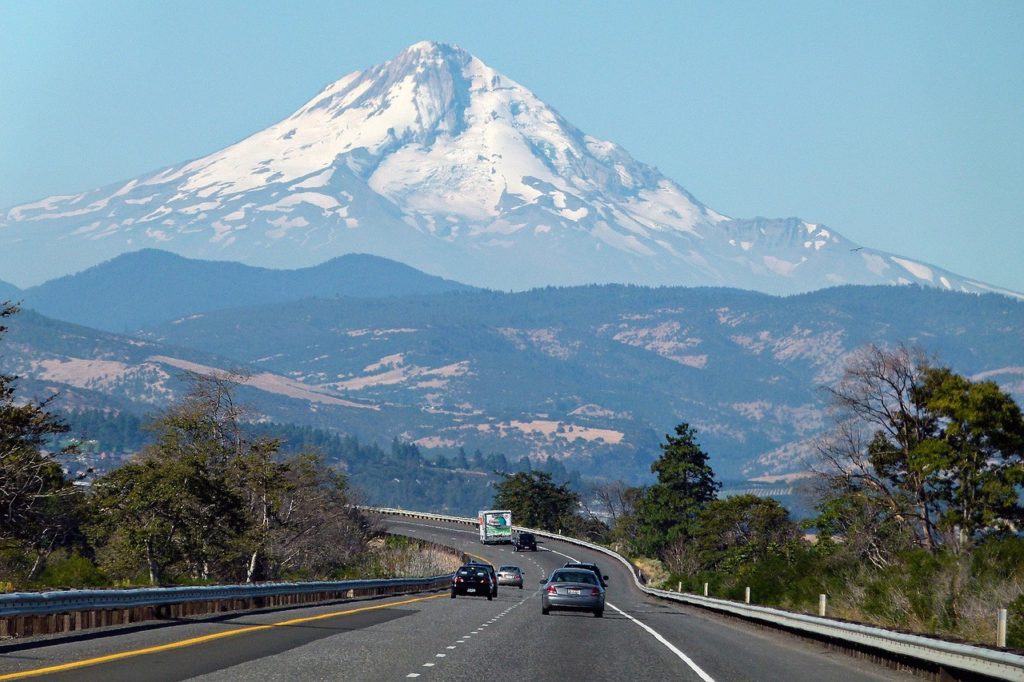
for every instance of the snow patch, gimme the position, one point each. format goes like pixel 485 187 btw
pixel 779 266
pixel 916 269
pixel 314 182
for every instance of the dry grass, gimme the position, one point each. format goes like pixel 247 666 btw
pixel 400 558
pixel 654 571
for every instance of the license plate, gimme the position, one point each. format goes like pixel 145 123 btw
pixel 573 591
pixel 470 589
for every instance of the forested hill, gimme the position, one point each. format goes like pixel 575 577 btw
pixel 590 376
pixel 397 475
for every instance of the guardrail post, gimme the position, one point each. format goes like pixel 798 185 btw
pixel 822 600
pixel 679 587
pixel 746 596
pixel 705 589
pixel 1001 629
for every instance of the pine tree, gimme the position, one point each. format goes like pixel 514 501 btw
pixel 686 484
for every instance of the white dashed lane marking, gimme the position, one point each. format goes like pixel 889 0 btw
pixel 463 639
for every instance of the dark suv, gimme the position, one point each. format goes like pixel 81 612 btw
pixel 475 579
pixel 603 579
pixel 523 542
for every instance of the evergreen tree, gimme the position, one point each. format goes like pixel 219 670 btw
pixel 686 483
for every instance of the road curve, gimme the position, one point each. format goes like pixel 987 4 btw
pixel 646 638
pixel 433 637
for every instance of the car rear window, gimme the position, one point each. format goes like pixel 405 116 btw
pixel 576 577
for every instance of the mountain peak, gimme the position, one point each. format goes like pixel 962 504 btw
pixel 437 160
pixel 434 49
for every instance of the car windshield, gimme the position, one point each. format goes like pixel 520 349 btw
pixel 575 577
pixel 509 569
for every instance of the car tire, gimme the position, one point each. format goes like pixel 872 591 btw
pixel 489 598
pixel 544 611
pixel 520 587
pixel 599 613
pixel 453 595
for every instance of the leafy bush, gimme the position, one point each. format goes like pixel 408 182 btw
pixel 73 570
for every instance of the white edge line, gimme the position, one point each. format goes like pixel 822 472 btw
pixel 654 633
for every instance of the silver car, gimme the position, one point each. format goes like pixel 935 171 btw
pixel 511 575
pixel 572 589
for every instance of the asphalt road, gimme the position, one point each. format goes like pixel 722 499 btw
pixel 433 637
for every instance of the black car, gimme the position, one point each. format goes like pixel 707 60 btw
pixel 490 569
pixel 475 579
pixel 602 578
pixel 523 542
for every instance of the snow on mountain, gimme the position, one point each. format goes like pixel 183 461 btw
pixel 436 160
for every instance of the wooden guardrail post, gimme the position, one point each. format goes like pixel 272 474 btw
pixel 1001 629
pixel 746 596
pixel 822 601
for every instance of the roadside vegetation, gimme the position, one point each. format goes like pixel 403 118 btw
pixel 396 556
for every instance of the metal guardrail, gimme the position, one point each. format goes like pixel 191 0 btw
pixel 35 613
pixel 975 659
pixel 64 601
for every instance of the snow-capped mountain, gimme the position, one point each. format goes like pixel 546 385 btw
pixel 436 160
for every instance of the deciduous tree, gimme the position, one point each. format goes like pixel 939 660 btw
pixel 924 449
pixel 729 533
pixel 535 500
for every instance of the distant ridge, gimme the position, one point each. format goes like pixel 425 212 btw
pixel 150 286
pixel 9 292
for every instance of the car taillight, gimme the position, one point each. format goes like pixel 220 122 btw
pixel 458 580
pixel 594 592
pixel 552 590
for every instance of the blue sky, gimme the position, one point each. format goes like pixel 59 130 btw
pixel 900 125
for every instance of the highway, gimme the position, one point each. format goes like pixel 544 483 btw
pixel 433 637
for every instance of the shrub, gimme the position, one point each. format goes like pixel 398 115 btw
pixel 73 570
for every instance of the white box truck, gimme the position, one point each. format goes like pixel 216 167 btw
pixel 495 526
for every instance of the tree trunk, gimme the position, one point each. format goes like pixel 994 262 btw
pixel 252 566
pixel 154 568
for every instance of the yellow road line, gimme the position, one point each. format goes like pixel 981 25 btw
pixel 475 556
pixel 200 640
